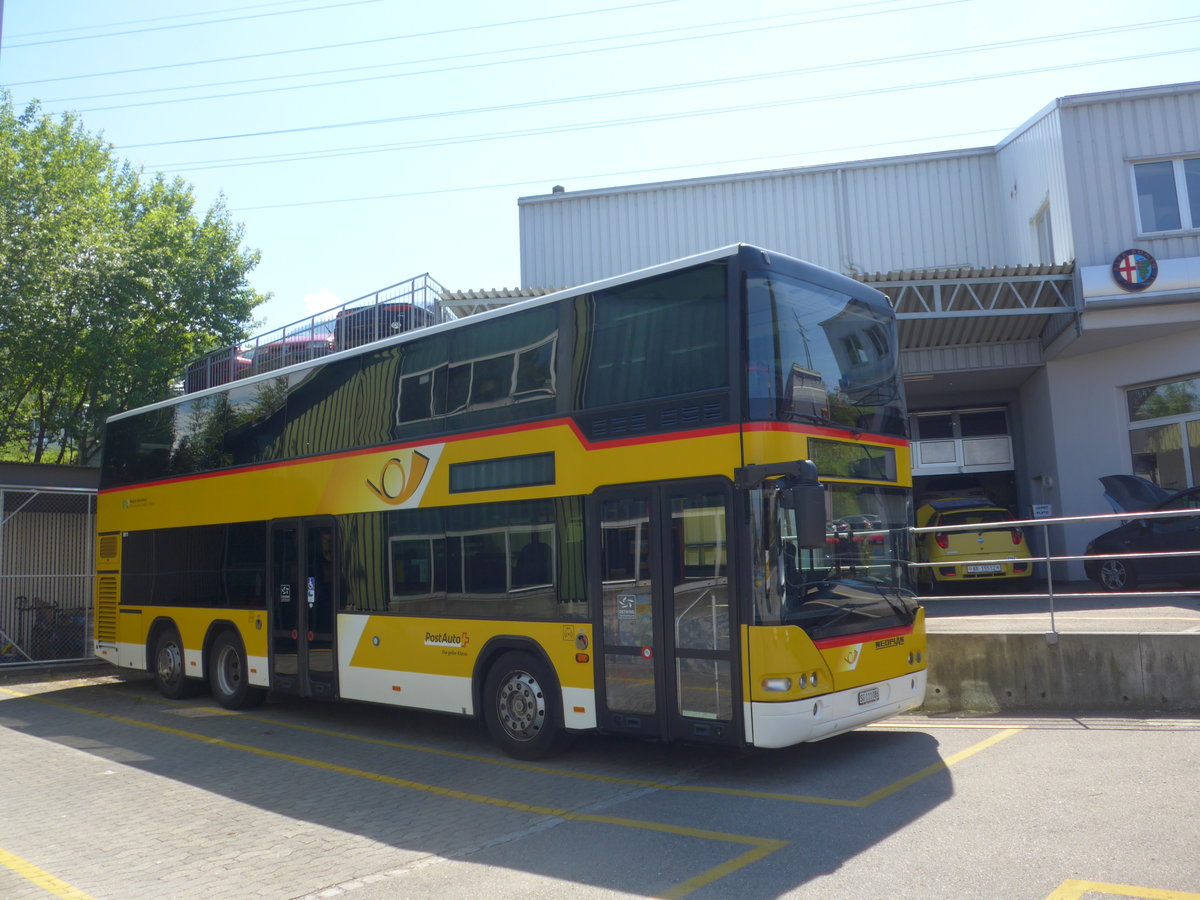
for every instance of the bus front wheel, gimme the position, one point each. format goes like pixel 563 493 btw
pixel 169 671
pixel 228 674
pixel 521 707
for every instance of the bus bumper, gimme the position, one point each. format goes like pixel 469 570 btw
pixel 798 721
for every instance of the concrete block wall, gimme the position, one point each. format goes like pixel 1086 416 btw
pixel 1138 673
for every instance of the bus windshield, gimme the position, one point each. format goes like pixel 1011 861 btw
pixel 857 582
pixel 820 356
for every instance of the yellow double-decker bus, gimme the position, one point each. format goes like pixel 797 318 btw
pixel 671 504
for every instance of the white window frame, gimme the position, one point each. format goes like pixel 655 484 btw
pixel 1181 194
pixel 1176 420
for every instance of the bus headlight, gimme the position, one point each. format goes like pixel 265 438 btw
pixel 777 684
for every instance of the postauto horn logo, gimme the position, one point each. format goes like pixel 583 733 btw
pixel 396 482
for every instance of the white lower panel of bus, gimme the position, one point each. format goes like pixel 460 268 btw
pixel 784 724
pixel 133 656
pixel 441 693
pixel 444 693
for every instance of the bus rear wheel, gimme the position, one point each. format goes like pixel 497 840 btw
pixel 521 707
pixel 229 674
pixel 169 670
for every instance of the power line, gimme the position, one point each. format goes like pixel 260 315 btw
pixel 400 37
pixel 607 95
pixel 713 111
pixel 459 56
pixel 526 59
pixel 27 34
pixel 90 37
pixel 561 178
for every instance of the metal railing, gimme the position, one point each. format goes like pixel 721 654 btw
pixel 1047 559
pixel 406 306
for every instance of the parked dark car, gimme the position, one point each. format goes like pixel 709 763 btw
pixel 1158 535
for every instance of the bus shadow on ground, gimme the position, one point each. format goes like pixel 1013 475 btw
pixel 642 818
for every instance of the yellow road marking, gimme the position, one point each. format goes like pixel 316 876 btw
pixel 761 847
pixel 1072 889
pixel 41 877
pixel 873 797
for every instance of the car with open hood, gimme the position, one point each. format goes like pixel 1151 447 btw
pixel 1141 550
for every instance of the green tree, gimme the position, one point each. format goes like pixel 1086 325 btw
pixel 109 284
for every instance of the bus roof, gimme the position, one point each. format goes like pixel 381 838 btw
pixel 768 257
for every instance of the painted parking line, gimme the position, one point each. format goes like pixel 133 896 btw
pixel 1072 889
pixel 759 847
pixel 860 803
pixel 43 879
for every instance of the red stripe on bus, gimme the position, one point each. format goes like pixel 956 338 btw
pixel 864 638
pixel 819 430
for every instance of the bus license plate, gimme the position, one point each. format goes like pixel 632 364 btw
pixel 979 570
pixel 870 695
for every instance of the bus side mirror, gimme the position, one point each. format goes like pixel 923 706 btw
pixel 808 503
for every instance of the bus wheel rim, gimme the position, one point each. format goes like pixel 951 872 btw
pixel 522 706
pixel 229 670
pixel 170 663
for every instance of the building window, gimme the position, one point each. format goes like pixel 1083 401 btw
pixel 1168 194
pixel 1164 435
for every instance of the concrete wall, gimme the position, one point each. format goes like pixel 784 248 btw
pixel 1014 673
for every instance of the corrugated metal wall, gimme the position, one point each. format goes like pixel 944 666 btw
pixel 1101 138
pixel 924 212
pixel 1031 174
pixel 569 239
pixel 46 573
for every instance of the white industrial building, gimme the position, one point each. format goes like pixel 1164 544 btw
pixel 1039 354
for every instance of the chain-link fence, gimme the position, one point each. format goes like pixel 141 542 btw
pixel 46 574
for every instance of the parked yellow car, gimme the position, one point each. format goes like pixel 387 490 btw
pixel 987 553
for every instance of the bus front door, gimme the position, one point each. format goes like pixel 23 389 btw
pixel 667 657
pixel 303 607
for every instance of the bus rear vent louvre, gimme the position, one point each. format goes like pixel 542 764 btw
pixel 107 595
pixel 108 546
pixel 616 425
pixel 665 418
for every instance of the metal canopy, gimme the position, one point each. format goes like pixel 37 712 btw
pixel 953 307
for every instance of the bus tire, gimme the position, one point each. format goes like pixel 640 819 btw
pixel 229 674
pixel 521 707
pixel 170 671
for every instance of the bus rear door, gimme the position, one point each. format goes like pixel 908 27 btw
pixel 303 607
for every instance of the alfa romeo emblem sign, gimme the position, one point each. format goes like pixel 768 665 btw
pixel 1134 270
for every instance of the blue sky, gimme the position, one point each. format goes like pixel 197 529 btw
pixel 362 142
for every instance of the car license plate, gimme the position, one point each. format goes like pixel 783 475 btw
pixel 870 695
pixel 980 570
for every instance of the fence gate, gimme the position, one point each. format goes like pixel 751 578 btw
pixel 46 574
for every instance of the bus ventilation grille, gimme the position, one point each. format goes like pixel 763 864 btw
pixel 619 425
pixel 108 546
pixel 107 596
pixel 658 421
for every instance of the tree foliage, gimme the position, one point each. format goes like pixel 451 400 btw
pixel 109 283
